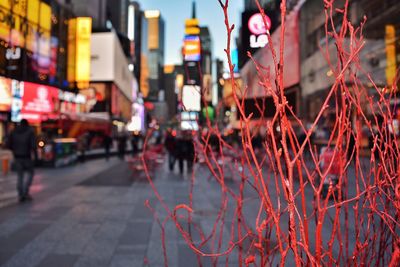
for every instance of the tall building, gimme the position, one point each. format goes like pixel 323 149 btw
pixel 172 86
pixel 251 4
pixel 253 32
pixel 206 62
pixel 379 56
pixel 154 52
pixel 134 33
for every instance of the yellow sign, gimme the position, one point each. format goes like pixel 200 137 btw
pixel 33 14
pixel 83 35
pixel 191 22
pixel 45 16
pixel 5 24
pixel 391 64
pixel 192 31
pixel 19 7
pixel 5 4
pixel 71 50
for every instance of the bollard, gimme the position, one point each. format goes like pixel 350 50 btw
pixel 5 166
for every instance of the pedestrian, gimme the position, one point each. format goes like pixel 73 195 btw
pixel 121 146
pixel 107 142
pixel 170 146
pixel 189 152
pixel 135 143
pixel 180 150
pixel 82 146
pixel 22 143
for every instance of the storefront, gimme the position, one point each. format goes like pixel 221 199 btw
pixel 258 90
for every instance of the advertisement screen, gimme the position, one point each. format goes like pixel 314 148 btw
pixel 191 48
pixel 254 32
pixel 189 125
pixel 17 90
pixel 83 34
pixel 38 102
pixel 191 98
pixel 5 94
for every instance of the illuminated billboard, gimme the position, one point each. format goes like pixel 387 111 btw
pixel 390 43
pixel 191 98
pixel 254 32
pixel 38 102
pixel 192 48
pixel 79 38
pixel 83 33
pixel 5 94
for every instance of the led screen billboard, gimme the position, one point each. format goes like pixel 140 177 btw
pixel 191 98
pixel 192 48
pixel 254 32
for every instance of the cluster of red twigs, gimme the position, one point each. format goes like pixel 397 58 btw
pixel 355 222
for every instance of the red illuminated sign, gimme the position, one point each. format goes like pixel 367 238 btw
pixel 259 29
pixel 38 102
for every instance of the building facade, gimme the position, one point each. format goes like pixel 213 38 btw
pixel 154 52
pixel 378 56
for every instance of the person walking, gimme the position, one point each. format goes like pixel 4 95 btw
pixel 107 142
pixel 170 145
pixel 180 150
pixel 135 143
pixel 190 152
pixel 22 143
pixel 122 146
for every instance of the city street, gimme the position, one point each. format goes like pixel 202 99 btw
pixel 90 215
pixel 93 214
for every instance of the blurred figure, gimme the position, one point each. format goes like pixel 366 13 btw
pixel 22 142
pixel 180 150
pixel 82 146
pixel 135 143
pixel 107 142
pixel 158 134
pixel 256 141
pixel 189 152
pixel 121 146
pixel 170 145
pixel 214 144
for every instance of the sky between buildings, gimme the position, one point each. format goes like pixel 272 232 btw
pixel 209 13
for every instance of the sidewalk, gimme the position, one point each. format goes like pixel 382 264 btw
pixel 49 181
pixel 76 219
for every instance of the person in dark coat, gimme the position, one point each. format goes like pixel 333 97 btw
pixel 121 146
pixel 22 143
pixel 107 142
pixel 170 146
pixel 190 153
pixel 135 143
pixel 180 150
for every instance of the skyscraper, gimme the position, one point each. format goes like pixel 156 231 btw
pixel 155 52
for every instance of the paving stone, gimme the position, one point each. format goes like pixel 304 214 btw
pixel 75 241
pixel 53 214
pixel 5 256
pixel 30 255
pixel 52 260
pixel 126 260
pixel 85 261
pixel 136 233
pixel 18 239
pixel 115 176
